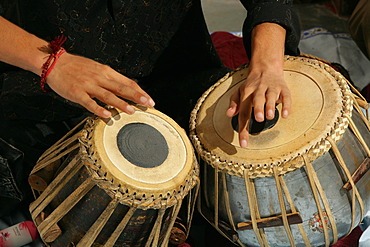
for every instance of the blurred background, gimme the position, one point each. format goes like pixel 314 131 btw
pixel 228 15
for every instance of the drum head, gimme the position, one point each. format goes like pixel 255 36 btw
pixel 319 100
pixel 146 153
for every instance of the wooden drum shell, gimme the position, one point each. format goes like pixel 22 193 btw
pixel 89 207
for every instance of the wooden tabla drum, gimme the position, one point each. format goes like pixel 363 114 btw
pixel 121 181
pixel 299 182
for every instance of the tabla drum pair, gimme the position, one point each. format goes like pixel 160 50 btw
pixel 130 180
pixel 300 182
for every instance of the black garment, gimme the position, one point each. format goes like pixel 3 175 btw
pixel 273 11
pixel 22 142
pixel 10 193
pixel 144 40
pixel 164 45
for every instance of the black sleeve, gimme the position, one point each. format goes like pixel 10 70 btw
pixel 9 9
pixel 274 11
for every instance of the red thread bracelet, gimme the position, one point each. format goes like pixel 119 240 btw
pixel 56 51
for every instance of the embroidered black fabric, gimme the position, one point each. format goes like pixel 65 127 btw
pixel 275 11
pixel 10 166
pixel 150 41
pixel 164 45
pixel 142 39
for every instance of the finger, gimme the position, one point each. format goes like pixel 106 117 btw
pixel 130 93
pixel 243 121
pixel 287 103
pixel 91 105
pixel 134 93
pixel 120 85
pixel 112 100
pixel 259 101
pixel 271 100
pixel 233 106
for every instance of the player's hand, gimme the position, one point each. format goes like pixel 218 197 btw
pixel 262 90
pixel 83 80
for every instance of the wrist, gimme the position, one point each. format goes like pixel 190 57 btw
pixel 268 44
pixel 34 56
pixel 55 50
pixel 41 53
pixel 20 48
pixel 260 66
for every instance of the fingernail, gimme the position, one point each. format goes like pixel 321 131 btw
pixel 107 114
pixel 259 116
pixel 285 113
pixel 130 109
pixel 151 102
pixel 228 111
pixel 143 99
pixel 243 143
pixel 270 113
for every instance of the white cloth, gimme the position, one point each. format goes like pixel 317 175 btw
pixel 338 48
pixel 14 218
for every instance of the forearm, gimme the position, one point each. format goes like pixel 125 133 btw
pixel 268 43
pixel 20 48
pixel 272 11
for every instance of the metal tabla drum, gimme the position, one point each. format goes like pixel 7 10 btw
pixel 299 182
pixel 122 181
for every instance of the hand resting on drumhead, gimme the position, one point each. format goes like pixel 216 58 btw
pixel 80 79
pixel 75 78
pixel 264 86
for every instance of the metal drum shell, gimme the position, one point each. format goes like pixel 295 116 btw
pixel 331 178
pixel 224 199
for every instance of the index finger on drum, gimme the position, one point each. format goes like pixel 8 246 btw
pixel 233 105
pixel 86 101
pixel 133 92
pixel 259 101
pixel 286 99
pixel 272 97
pixel 243 122
pixel 111 99
pixel 127 88
pixel 130 93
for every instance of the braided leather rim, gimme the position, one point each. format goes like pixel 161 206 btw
pixel 295 161
pixel 128 194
